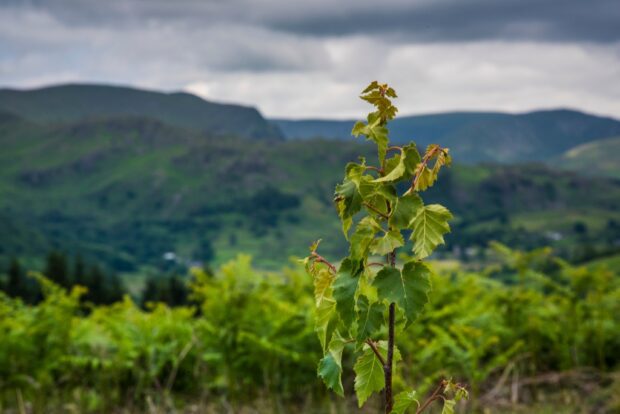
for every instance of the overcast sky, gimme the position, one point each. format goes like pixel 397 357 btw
pixel 310 59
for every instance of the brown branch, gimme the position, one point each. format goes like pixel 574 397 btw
pixel 434 396
pixel 421 167
pixel 387 367
pixel 374 348
pixel 375 264
pixel 376 210
pixel 395 148
pixel 373 168
pixel 320 259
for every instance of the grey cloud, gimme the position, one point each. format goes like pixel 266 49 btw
pixel 457 20
pixel 221 46
pixel 410 21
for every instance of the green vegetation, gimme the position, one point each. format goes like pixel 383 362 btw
pixel 598 157
pixel 124 192
pixel 70 103
pixel 113 190
pixel 352 301
pixel 530 329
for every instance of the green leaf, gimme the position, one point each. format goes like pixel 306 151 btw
pixel 358 129
pixel 322 285
pixel 373 131
pixel 369 371
pixel 325 321
pixel 362 237
pixel 429 226
pixel 397 172
pixel 412 158
pixel 370 317
pixel 425 179
pixel 409 288
pixel 349 202
pixel 371 86
pixel 379 134
pixel 429 175
pixel 403 400
pixel 402 165
pixel 330 367
pixel 370 190
pixel 405 210
pixel 377 194
pixel 345 286
pixel 354 171
pixel 368 375
pixel 386 244
pixel 448 407
pixel 373 97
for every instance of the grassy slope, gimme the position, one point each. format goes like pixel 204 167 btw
pixel 127 190
pixel 598 157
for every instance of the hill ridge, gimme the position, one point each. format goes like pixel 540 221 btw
pixel 479 136
pixel 75 101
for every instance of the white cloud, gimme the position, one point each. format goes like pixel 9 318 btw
pixel 434 78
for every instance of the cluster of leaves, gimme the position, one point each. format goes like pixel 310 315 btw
pixel 247 334
pixel 250 334
pixel 352 300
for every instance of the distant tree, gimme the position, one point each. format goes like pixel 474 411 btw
pixel 115 289
pixel 177 291
pixel 171 290
pixel 150 292
pixel 56 269
pixel 205 252
pixel 580 228
pixel 79 272
pixel 15 286
pixel 96 285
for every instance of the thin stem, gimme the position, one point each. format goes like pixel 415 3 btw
pixel 318 258
pixel 434 396
pixel 376 210
pixel 387 367
pixel 373 168
pixel 374 348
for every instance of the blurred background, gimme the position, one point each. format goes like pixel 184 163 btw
pixel 163 163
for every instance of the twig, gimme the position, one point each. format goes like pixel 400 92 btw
pixel 374 348
pixel 180 359
pixel 422 166
pixel 373 168
pixel 387 367
pixel 318 258
pixel 434 396
pixel 376 210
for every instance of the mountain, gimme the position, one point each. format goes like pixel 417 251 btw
pixel 126 190
pixel 479 136
pixel 71 103
pixel 598 157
